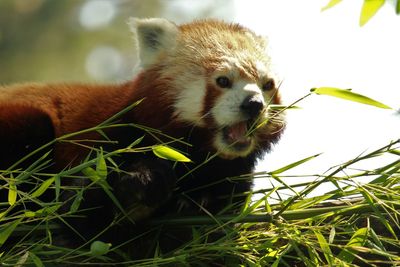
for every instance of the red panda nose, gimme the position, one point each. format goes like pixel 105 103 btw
pixel 252 106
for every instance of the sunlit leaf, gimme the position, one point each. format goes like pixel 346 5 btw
pixel 7 231
pixel 369 9
pixel 43 187
pixel 99 248
pixel 357 240
pixel 332 234
pixel 29 214
pixel 348 95
pixel 282 107
pixel 91 174
pixel 331 3
pixel 294 164
pixel 168 153
pixel 324 247
pixel 12 192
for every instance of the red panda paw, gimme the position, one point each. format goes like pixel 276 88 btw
pixel 147 182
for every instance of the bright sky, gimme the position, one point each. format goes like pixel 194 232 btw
pixel 312 49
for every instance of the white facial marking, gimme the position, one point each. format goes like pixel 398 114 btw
pixel 227 109
pixel 189 102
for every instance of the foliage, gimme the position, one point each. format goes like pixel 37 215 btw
pixel 357 223
pixel 368 10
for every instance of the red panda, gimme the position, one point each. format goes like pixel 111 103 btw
pixel 208 83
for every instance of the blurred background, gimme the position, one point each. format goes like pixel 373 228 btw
pixel 88 40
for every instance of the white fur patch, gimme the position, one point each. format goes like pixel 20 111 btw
pixel 153 37
pixel 189 102
pixel 227 109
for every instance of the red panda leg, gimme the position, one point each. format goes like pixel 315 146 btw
pixel 22 130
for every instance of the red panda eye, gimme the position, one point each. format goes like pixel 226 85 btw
pixel 224 82
pixel 269 85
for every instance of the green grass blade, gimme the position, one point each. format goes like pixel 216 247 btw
pixel 357 240
pixel 324 247
pixel 348 95
pixel 369 9
pixel 294 164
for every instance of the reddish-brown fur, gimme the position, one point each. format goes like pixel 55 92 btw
pixel 33 114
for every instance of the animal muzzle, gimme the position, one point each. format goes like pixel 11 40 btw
pixel 252 106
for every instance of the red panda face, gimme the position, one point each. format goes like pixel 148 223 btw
pixel 240 110
pixel 222 82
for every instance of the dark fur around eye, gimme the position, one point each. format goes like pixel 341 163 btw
pixel 224 82
pixel 268 85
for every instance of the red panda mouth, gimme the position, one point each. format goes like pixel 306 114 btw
pixel 237 135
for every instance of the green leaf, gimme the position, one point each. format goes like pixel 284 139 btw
pixel 294 164
pixel 101 166
pixel 77 201
pixel 168 153
pixel 46 211
pixel 29 214
pixel 91 174
pixel 331 3
pixel 36 260
pixel 369 9
pixel 324 247
pixel 12 192
pixel 99 248
pixel 357 240
pixel 348 95
pixel 7 231
pixel 398 7
pixel 282 107
pixel 43 187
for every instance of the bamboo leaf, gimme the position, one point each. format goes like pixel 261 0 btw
pixel 331 4
pixel 77 201
pixel 369 9
pixel 311 201
pixel 357 240
pixel 168 153
pixel 136 142
pixel 43 187
pixel 282 107
pixel 105 186
pixel 324 247
pixel 332 234
pixel 36 260
pixel 294 164
pixel 99 248
pixel 101 166
pixel 46 211
pixel 29 214
pixel 398 7
pixel 7 231
pixel 12 192
pixel 348 95
pixel 91 174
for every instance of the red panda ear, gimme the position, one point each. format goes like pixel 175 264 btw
pixel 153 37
